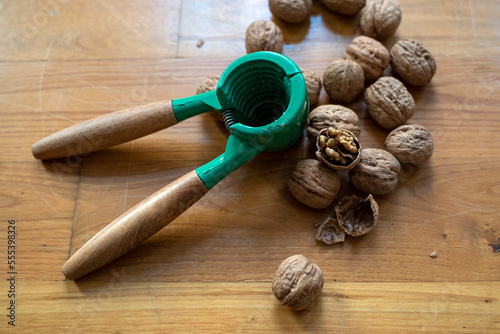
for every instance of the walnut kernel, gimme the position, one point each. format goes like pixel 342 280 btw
pixel 331 115
pixel 376 173
pixel 357 216
pixel 389 102
pixel 380 18
pixel 343 80
pixel 313 85
pixel 410 144
pixel 346 7
pixel 338 149
pixel 413 62
pixel 370 54
pixel 264 35
pixel 297 282
pixel 291 11
pixel 329 232
pixel 314 184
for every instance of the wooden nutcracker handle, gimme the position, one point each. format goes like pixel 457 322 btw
pixel 106 131
pixel 136 225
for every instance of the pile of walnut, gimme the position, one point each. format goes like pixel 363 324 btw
pixel 334 129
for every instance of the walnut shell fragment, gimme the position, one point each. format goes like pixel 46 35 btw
pixel 376 173
pixel 264 35
pixel 314 184
pixel 313 85
pixel 370 54
pixel 338 149
pixel 380 18
pixel 410 144
pixel 329 232
pixel 346 7
pixel 291 11
pixel 297 282
pixel 343 80
pixel 357 216
pixel 331 115
pixel 413 62
pixel 389 102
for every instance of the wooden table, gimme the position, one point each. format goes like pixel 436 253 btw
pixel 210 271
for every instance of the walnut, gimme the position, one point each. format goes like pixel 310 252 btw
pixel 264 36
pixel 357 216
pixel 208 84
pixel 314 184
pixel 313 84
pixel 297 282
pixel 410 144
pixel 380 18
pixel 389 102
pixel 370 54
pixel 338 149
pixel 413 62
pixel 329 232
pixel 346 7
pixel 291 11
pixel 343 80
pixel 331 115
pixel 376 173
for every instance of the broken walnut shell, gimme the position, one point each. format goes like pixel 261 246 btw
pixel 410 144
pixel 264 35
pixel 380 18
pixel 297 282
pixel 357 216
pixel 413 62
pixel 331 115
pixel 329 232
pixel 376 173
pixel 389 102
pixel 343 80
pixel 314 184
pixel 370 54
pixel 338 149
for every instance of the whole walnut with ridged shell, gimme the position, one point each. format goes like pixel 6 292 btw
pixel 413 62
pixel 291 11
pixel 389 102
pixel 331 115
pixel 264 35
pixel 410 144
pixel 343 80
pixel 297 282
pixel 314 184
pixel 370 54
pixel 380 18
pixel 376 173
pixel 346 7
pixel 209 84
pixel 313 85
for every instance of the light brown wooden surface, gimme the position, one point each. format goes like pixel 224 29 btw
pixel 210 271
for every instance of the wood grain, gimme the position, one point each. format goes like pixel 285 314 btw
pixel 136 225
pixel 106 131
pixel 210 270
